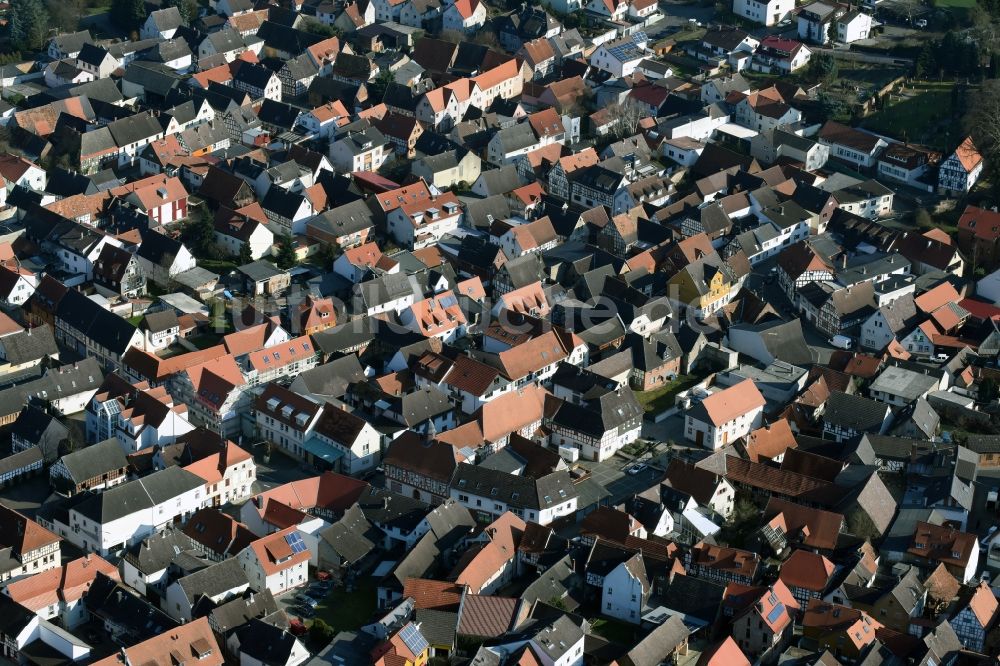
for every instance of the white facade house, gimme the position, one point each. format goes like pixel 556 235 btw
pixel 277 562
pixel 625 591
pixel 962 169
pixel 725 416
pixel 853 27
pixel 620 57
pixel 766 13
pixel 126 514
pixel 464 16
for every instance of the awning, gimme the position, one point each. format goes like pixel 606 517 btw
pixel 320 449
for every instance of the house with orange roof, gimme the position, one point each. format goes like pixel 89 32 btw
pixel 807 575
pixel 30 547
pixel 423 223
pixel 216 393
pixel 613 10
pixel 465 16
pixel 539 56
pixel 277 562
pixel 58 593
pixel 193 642
pixel 504 81
pixel 244 226
pixel 725 416
pixel 770 442
pixel 355 262
pixel 323 121
pixel 486 567
pixel 227 470
pixel 978 235
pixel 438 316
pixel 960 171
pixel 283 359
pixel 726 653
pixel 406 647
pixel 976 615
pixel 163 198
pixel 19 171
pixel 308 504
pixel 559 175
pixel 845 632
pixel 763 618
pixel 441 108
pixel 137 415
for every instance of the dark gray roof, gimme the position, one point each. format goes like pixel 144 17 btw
pixel 659 644
pixel 103 327
pixel 330 380
pixel 159 550
pixel 260 270
pixel 167 19
pixel 854 412
pixel 95 460
pixel 57 382
pixel 349 536
pixel 140 127
pixel 438 627
pixel 343 220
pixel 606 413
pixel 140 494
pixel 265 643
pixel 516 491
pixel 502 180
pixel 236 613
pixel 560 581
pixel 214 580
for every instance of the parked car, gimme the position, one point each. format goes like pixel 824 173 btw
pixel 841 342
pixel 637 469
pixel 304 611
pixel 920 23
pixel 316 592
pixel 306 600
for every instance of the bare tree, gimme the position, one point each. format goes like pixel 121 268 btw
pixel 983 121
pixel 625 118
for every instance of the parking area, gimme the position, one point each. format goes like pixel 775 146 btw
pixel 613 476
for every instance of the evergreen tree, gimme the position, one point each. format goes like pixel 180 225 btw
pixel 926 64
pixel 246 254
pixel 128 15
pixel 28 24
pixel 286 252
pixel 199 236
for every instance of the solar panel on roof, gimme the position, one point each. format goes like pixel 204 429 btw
pixel 294 541
pixel 413 639
pixel 775 613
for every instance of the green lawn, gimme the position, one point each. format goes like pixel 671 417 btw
pixel 917 119
pixel 615 631
pixel 205 341
pixel 349 611
pixel 659 399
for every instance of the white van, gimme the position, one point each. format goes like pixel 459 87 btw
pixel 841 342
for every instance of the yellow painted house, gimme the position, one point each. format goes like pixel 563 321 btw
pixel 407 647
pixel 705 285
